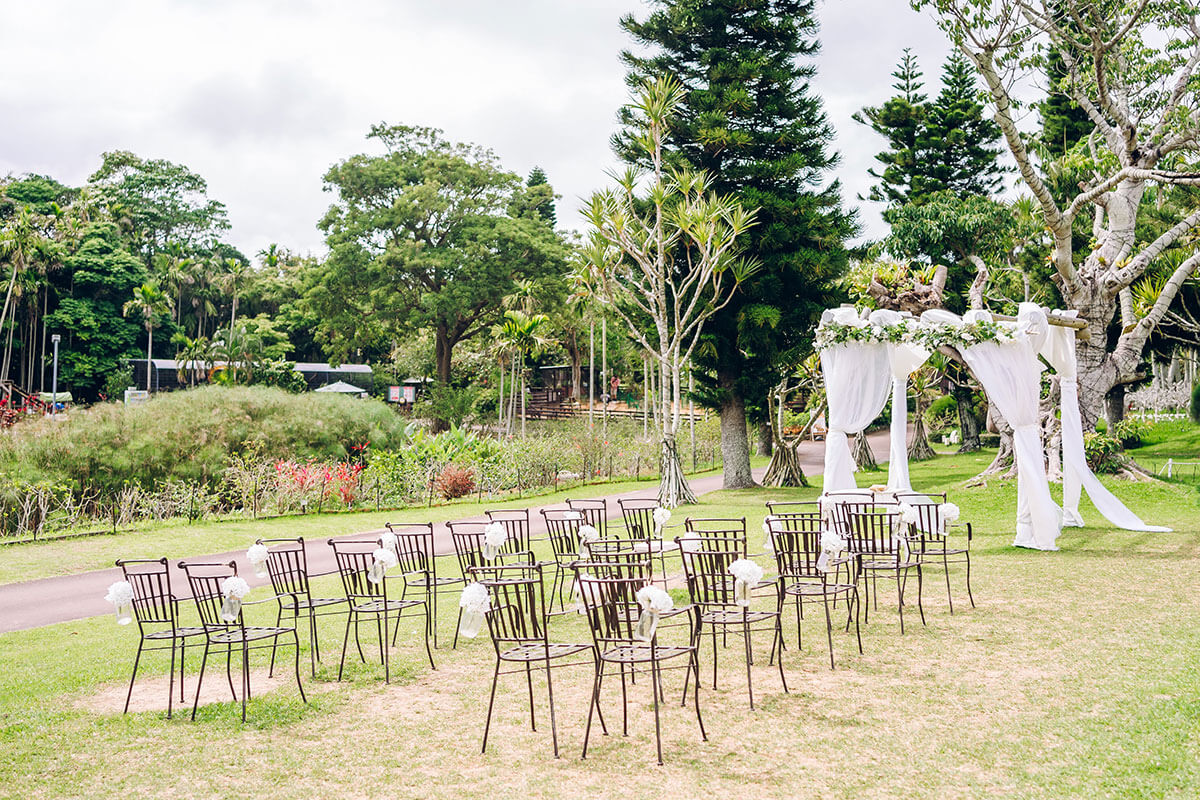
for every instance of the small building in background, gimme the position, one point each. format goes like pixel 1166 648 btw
pixel 164 374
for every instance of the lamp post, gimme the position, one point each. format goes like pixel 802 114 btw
pixel 55 338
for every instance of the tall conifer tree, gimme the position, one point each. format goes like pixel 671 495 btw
pixel 750 120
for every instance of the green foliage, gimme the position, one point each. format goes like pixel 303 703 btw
pixel 280 374
pixel 749 119
pixel 191 435
pixel 940 409
pixel 1194 404
pixel 117 381
pixel 1131 431
pixel 451 404
pixel 1101 452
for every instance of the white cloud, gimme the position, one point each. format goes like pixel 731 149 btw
pixel 261 97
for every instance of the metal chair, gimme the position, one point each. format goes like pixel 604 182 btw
pixel 417 562
pixel 468 540
pixel 706 564
pixel 777 507
pixel 517 622
pixel 205 580
pixel 515 522
pixel 934 533
pixel 882 545
pixel 796 540
pixel 287 566
pixel 368 599
pixel 562 527
pixel 612 612
pixel 157 612
pixel 638 514
pixel 594 510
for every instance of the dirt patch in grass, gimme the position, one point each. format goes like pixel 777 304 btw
pixel 150 692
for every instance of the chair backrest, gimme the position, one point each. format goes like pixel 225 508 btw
pixel 706 567
pixel 517 614
pixel 287 564
pixel 595 512
pixel 205 579
pixel 777 507
pixel 928 506
pixel 354 559
pixel 153 602
pixel 563 524
pixel 638 514
pixel 414 548
pixel 732 530
pixel 796 540
pixel 873 531
pixel 609 601
pixel 516 523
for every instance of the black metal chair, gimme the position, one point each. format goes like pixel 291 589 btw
pixel 417 564
pixel 706 563
pixel 934 533
pixel 796 540
pixel 777 507
pixel 468 540
pixel 594 510
pixel 156 610
pixel 562 527
pixel 638 515
pixel 613 612
pixel 206 580
pixel 515 521
pixel 517 621
pixel 369 599
pixel 287 566
pixel 882 545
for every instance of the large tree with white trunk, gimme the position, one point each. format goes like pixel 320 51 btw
pixel 1131 66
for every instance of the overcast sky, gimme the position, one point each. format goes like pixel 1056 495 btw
pixel 262 96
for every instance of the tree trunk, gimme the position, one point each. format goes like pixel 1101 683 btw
pixel 968 423
pixel 765 439
pixel 784 469
pixel 1114 407
pixel 673 488
pixel 149 351
pixel 919 449
pixel 442 349
pixel 861 450
pixel 576 355
pixel 735 446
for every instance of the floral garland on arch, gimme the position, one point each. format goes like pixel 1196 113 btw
pixel 929 335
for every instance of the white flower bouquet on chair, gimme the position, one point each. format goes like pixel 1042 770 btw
pixel 746 575
pixel 234 590
pixel 120 594
pixel 257 556
pixel 495 536
pixel 654 602
pixel 382 559
pixel 587 535
pixel 475 603
pixel 661 517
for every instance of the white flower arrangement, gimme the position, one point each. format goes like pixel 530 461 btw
pixel 573 515
pixel 846 329
pixel 495 536
pixel 382 559
pixel 257 556
pixel 948 514
pixel 120 594
pixel 746 575
pixel 661 517
pixel 908 514
pixel 234 589
pixel 587 535
pixel 387 540
pixel 768 539
pixel 654 601
pixel 831 546
pixel 475 603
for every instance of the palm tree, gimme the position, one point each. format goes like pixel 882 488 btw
pixel 233 280
pixel 20 242
pixel 149 301
pixel 522 333
pixel 194 357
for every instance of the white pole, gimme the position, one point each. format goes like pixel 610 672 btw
pixel 592 375
pixel 604 369
pixel 54 381
pixel 692 412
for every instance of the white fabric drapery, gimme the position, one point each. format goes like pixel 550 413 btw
pixel 904 358
pixel 857 379
pixel 1011 376
pixel 1059 350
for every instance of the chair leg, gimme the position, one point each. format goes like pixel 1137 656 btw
pixel 313 651
pixel 296 663
pixel 182 661
pixel 746 639
pixel 200 680
pixel 624 704
pixel 487 724
pixel 383 643
pixel 920 584
pixel 428 623
pixel 345 644
pixel 779 639
pixel 553 723
pixel 657 722
pixel 696 695
pixel 969 595
pixel 171 681
pixel 946 570
pixel 275 641
pixel 829 626
pixel 857 611
pixel 432 601
pixel 137 658
pixel 229 670
pixel 245 677
pixel 900 595
pixel 595 705
pixel 799 617
pixel 714 644
pixel 456 624
pixel 529 681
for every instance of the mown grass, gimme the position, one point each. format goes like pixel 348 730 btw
pixel 1076 676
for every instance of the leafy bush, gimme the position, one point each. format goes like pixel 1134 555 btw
pixel 1194 405
pixel 945 403
pixel 455 481
pixel 193 435
pixel 280 374
pixel 1131 431
pixel 446 403
pixel 1101 452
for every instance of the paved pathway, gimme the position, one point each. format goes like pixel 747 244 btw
pixel 46 601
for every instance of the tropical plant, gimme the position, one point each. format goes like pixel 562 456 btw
pixel 149 302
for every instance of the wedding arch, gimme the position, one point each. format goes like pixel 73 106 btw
pixel 866 359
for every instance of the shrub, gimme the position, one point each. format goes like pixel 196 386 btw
pixel 1101 452
pixel 455 481
pixel 940 407
pixel 1194 406
pixel 1131 431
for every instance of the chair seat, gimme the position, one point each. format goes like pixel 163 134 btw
pixel 249 634
pixel 423 581
pixel 889 564
pixel 537 651
pixel 805 589
pixel 654 546
pixel 178 633
pixel 642 653
pixel 376 606
pixel 732 616
pixel 311 602
pixel 944 551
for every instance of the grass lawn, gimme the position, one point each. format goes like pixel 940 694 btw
pixel 1076 676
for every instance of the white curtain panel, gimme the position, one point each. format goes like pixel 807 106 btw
pixel 1059 351
pixel 857 379
pixel 904 358
pixel 1011 376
